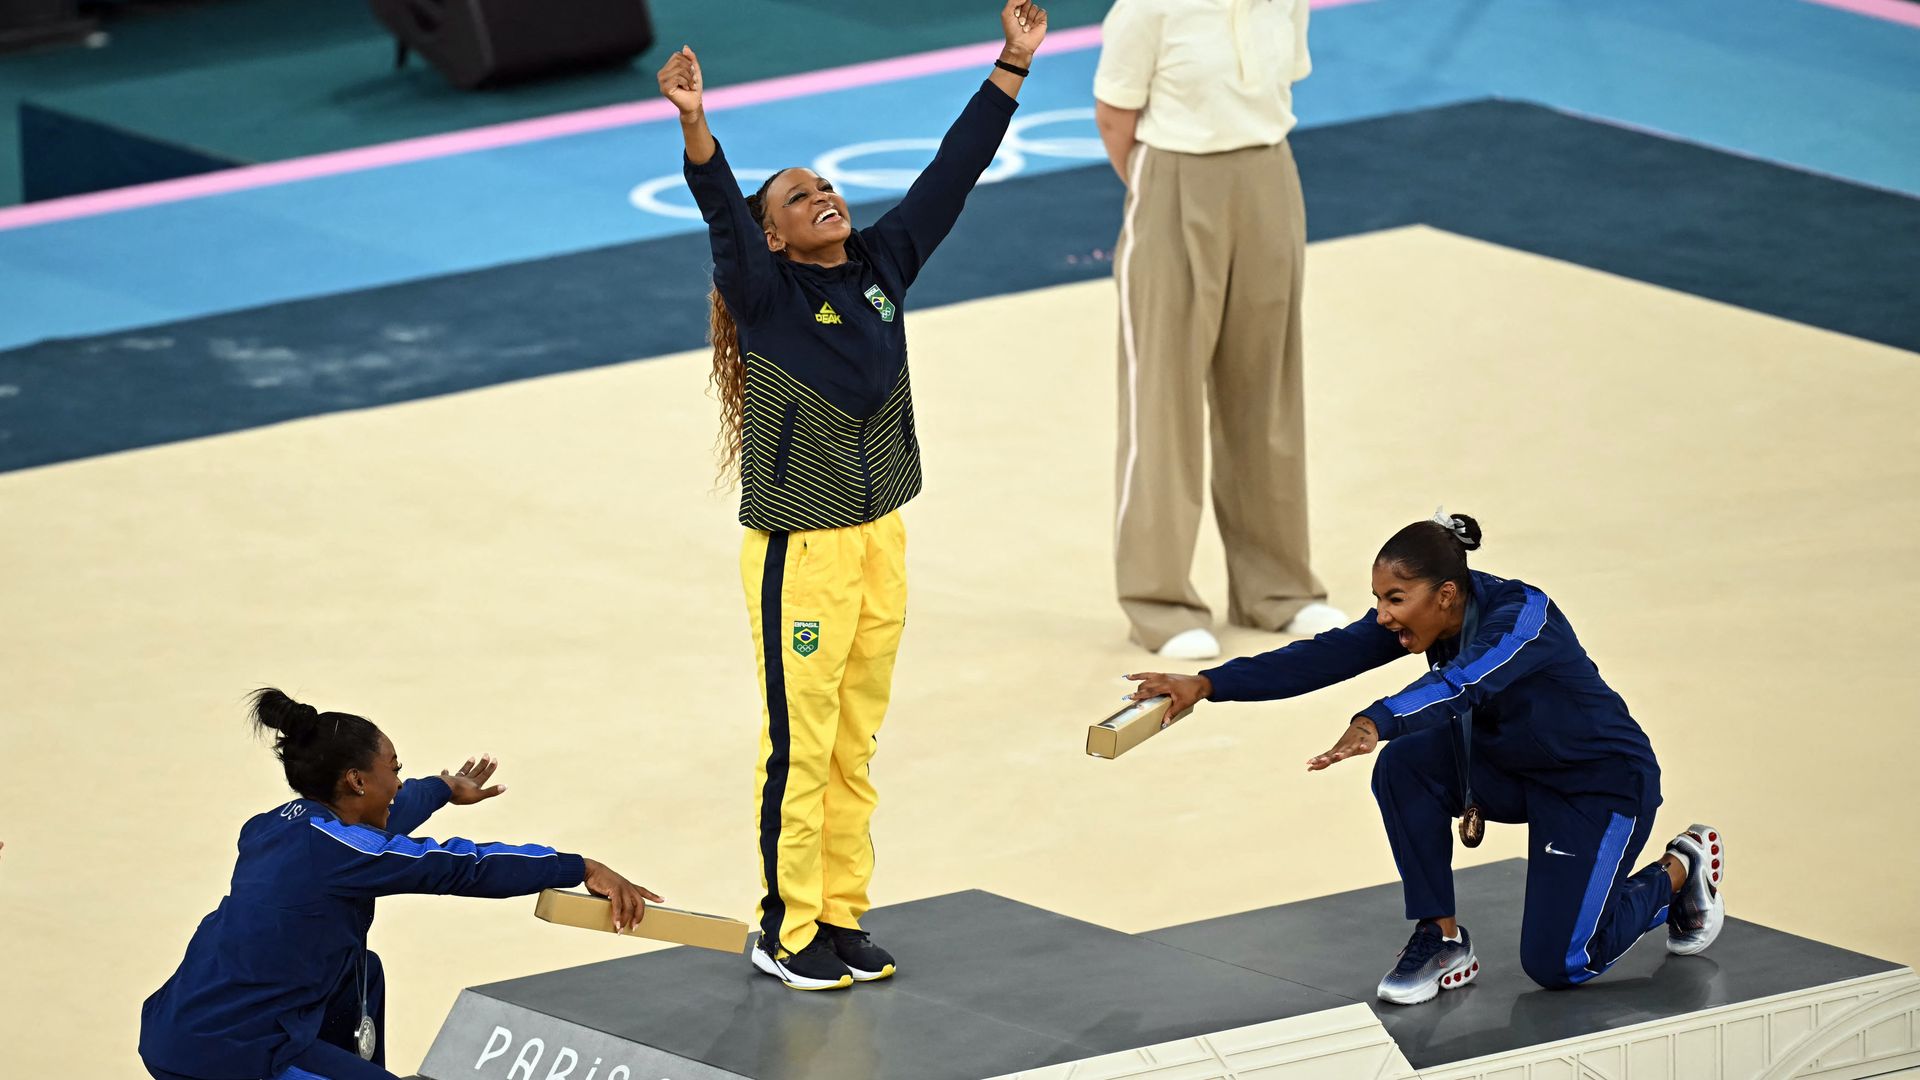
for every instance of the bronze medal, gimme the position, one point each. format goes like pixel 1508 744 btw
pixel 1473 827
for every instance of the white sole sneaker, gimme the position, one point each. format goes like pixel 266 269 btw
pixel 1449 965
pixel 1453 978
pixel 1706 853
pixel 1195 644
pixel 787 975
pixel 1315 618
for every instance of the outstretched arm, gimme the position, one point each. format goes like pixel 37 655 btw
pixel 1305 666
pixel 742 265
pixel 680 81
pixel 905 237
pixel 1299 668
pixel 362 861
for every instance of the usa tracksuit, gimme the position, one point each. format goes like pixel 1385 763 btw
pixel 829 455
pixel 272 984
pixel 1552 746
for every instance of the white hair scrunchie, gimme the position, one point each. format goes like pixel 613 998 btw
pixel 1452 524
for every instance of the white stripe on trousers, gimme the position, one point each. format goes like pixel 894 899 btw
pixel 1126 338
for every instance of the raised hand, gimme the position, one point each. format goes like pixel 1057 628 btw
pixel 1360 738
pixel 680 81
pixel 469 783
pixel 629 901
pixel 1025 24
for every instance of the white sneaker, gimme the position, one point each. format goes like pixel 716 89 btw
pixel 1195 644
pixel 1315 618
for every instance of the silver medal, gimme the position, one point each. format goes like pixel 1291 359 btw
pixel 366 1038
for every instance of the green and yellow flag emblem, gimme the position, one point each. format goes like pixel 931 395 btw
pixel 806 637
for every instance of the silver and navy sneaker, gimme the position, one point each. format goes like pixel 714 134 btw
pixel 1429 964
pixel 868 962
pixel 1698 911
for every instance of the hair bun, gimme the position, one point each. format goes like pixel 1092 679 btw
pixel 1467 531
pixel 274 709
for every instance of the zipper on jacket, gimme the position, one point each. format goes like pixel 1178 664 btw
pixel 785 448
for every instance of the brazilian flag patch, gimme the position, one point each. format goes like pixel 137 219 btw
pixel 880 303
pixel 806 637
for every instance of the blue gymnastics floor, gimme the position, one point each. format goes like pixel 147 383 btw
pixel 1784 80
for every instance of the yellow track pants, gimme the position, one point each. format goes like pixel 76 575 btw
pixel 827 607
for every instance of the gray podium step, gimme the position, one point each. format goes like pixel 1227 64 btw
pixel 987 986
pixel 1342 944
pixel 990 987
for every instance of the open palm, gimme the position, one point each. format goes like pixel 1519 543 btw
pixel 469 783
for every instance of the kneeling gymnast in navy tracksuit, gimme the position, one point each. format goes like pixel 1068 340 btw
pixel 1514 724
pixel 278 983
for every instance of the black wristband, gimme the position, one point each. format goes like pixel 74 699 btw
pixel 1004 66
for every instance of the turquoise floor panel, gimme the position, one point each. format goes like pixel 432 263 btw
pixel 1784 80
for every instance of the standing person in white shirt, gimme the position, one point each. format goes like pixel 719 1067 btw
pixel 1194 100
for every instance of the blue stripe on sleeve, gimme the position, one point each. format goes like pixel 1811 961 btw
pixel 1606 866
pixel 1527 627
pixel 370 841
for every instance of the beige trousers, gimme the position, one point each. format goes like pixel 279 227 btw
pixel 1210 265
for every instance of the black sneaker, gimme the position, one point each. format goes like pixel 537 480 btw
pixel 812 968
pixel 868 962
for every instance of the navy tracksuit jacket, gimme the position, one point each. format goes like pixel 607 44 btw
pixel 290 938
pixel 1552 746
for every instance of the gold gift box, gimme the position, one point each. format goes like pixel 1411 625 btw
pixel 1131 726
pixel 659 923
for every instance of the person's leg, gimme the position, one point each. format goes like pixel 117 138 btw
pixel 1416 781
pixel 1586 904
pixel 851 796
pixel 803 598
pixel 1170 294
pixel 1257 396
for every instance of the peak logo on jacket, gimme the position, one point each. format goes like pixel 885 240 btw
pixel 827 315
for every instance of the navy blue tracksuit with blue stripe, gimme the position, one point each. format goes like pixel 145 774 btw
pixel 1553 746
pixel 272 983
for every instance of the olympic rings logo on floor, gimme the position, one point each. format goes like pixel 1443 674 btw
pixel 839 165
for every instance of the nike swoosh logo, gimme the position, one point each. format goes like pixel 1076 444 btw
pixel 1551 850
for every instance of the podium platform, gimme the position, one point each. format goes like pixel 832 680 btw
pixel 991 987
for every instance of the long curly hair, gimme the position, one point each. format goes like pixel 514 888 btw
pixel 727 382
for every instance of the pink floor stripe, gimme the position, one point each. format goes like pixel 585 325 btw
pixel 522 131
pixel 548 127
pixel 1896 11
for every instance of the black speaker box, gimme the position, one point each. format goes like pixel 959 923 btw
pixel 34 22
pixel 476 43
